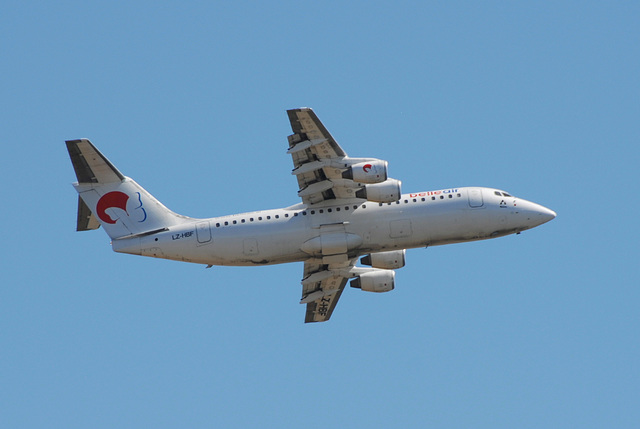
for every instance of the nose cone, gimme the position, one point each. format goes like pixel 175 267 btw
pixel 537 214
pixel 546 214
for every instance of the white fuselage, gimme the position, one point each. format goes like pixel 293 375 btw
pixel 298 233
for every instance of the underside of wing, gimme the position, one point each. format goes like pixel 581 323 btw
pixel 306 125
pixel 325 172
pixel 313 149
pixel 325 279
pixel 321 290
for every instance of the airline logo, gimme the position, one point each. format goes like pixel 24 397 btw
pixel 431 193
pixel 366 167
pixel 122 201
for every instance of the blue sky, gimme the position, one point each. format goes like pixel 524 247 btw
pixel 536 330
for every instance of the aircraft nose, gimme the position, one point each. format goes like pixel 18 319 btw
pixel 538 214
pixel 547 214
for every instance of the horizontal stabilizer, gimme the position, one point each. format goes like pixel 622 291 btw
pixel 86 220
pixel 90 165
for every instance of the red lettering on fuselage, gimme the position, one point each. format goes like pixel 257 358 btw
pixel 425 194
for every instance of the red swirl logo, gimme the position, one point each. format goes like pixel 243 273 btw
pixel 109 200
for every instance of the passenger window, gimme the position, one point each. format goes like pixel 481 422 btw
pixel 450 196
pixel 268 217
pixel 235 221
pixel 337 209
pixel 313 212
pixel 259 217
pixel 217 225
pixel 328 210
pixel 406 201
pixel 321 211
pixel 277 216
pixel 226 223
pixel 241 220
pixel 250 219
pixel 433 198
pixel 415 201
pixel 286 215
pixel 423 200
pixel 442 197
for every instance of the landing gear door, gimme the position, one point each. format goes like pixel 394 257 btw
pixel 475 198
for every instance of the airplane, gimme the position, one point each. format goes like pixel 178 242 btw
pixel 350 210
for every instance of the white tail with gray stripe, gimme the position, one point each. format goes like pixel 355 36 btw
pixel 108 198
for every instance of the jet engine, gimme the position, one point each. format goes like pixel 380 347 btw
pixel 387 260
pixel 374 171
pixel 375 281
pixel 385 192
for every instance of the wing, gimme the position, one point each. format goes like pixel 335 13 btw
pixel 317 160
pixel 321 290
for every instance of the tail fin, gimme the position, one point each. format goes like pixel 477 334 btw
pixel 110 199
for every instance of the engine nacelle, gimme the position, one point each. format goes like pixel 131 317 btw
pixel 375 281
pixel 367 172
pixel 388 260
pixel 385 192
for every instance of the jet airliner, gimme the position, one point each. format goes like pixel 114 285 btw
pixel 350 210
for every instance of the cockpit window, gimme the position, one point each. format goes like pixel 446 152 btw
pixel 505 194
pixel 497 193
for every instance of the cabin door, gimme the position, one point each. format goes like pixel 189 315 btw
pixel 475 198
